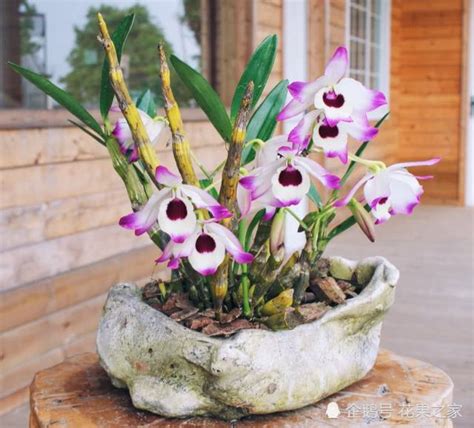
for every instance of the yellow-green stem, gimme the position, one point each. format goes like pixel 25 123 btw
pixel 228 192
pixel 181 148
pixel 128 108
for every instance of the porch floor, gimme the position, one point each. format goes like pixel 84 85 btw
pixel 433 315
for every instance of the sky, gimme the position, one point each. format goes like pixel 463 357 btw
pixel 63 15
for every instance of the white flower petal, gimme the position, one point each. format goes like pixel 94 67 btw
pixel 377 188
pixel 176 217
pixel 208 253
pixel 143 219
pixel 269 151
pixel 202 199
pixel 332 139
pixel 290 184
pixel 230 242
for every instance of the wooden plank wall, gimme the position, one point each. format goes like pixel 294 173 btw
pixel 425 98
pixel 241 26
pixel 61 247
pixel 430 70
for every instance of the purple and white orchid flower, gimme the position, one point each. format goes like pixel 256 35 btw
pixel 340 98
pixel 172 207
pixel 391 190
pixel 121 131
pixel 205 249
pixel 282 176
pixel 332 139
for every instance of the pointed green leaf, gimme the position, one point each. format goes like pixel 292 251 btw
pixel 253 224
pixel 119 36
pixel 206 183
pixel 258 70
pixel 263 122
pixel 205 96
pixel 59 95
pixel 146 103
pixel 313 194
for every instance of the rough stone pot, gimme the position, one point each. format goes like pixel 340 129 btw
pixel 176 372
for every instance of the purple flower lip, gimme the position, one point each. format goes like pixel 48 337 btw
pixel 205 243
pixel 327 131
pixel 290 177
pixel 333 100
pixel 176 209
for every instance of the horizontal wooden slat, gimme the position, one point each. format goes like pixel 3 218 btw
pixel 433 5
pixel 436 100
pixel 28 147
pixel 21 376
pixel 430 59
pixel 423 32
pixel 58 118
pixel 14 400
pixel 426 72
pixel 45 183
pixel 36 223
pixel 41 146
pixel 25 264
pixel 426 18
pixel 38 299
pixel 451 44
pixel 38 337
pixel 432 87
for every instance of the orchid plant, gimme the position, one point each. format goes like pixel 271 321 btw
pixel 228 237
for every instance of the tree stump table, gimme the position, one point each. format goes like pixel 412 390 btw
pixel 397 391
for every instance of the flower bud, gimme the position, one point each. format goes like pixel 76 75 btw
pixel 362 218
pixel 277 232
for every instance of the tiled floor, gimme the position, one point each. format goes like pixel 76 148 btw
pixel 433 315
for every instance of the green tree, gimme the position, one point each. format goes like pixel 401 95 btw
pixel 86 57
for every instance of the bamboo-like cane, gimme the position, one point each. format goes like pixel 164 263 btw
pixel 181 149
pixel 126 104
pixel 228 192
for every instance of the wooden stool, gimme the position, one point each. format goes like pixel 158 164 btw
pixel 398 391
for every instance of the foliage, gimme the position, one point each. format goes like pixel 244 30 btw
pixel 83 81
pixel 226 235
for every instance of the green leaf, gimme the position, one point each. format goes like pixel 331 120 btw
pixel 119 36
pixel 146 103
pixel 263 122
pixel 253 224
pixel 59 95
pixel 258 70
pixel 205 183
pixel 205 96
pixel 346 224
pixel 359 152
pixel 313 194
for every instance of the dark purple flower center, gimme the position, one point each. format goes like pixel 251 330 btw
pixel 290 177
pixel 176 209
pixel 205 243
pixel 333 100
pixel 382 200
pixel 326 131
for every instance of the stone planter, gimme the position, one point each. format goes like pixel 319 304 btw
pixel 176 372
